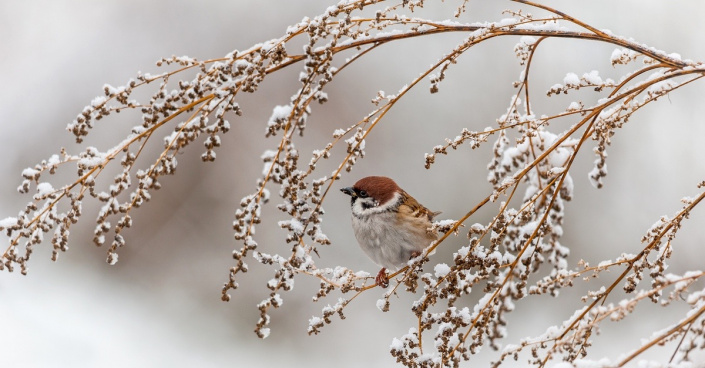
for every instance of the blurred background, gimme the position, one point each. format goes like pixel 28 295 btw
pixel 160 304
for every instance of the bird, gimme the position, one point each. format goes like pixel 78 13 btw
pixel 390 226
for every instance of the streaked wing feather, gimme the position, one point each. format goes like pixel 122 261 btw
pixel 414 208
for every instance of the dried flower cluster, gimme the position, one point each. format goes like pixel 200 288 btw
pixel 518 254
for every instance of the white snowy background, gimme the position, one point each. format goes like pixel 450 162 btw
pixel 160 305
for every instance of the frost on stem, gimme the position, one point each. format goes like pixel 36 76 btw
pixel 516 253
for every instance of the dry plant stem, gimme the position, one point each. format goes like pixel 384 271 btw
pixel 652 244
pixel 525 84
pixel 99 168
pixel 686 322
pixel 635 75
pixel 591 117
pixel 439 241
pixel 441 28
pixel 675 351
pixel 285 138
pixel 335 141
pixel 512 266
pixel 459 223
pixel 171 144
pixel 564 16
pixel 502 31
pixel 630 264
pixel 288 134
pixel 606 314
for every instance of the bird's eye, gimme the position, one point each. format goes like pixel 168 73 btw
pixel 362 194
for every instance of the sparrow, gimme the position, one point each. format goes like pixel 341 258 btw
pixel 389 224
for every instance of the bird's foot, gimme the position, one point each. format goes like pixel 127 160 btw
pixel 382 280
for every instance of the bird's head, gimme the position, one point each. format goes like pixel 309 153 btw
pixel 372 194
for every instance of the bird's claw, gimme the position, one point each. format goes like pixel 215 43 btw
pixel 382 280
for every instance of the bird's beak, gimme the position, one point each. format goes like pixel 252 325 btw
pixel 349 191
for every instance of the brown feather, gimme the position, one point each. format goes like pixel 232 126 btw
pixel 417 209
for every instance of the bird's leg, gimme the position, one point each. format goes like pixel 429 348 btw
pixel 382 280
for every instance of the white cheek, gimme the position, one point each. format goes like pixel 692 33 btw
pixel 357 207
pixel 360 210
pixel 373 206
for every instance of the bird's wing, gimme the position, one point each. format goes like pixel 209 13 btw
pixel 413 207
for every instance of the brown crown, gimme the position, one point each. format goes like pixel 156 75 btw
pixel 380 188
